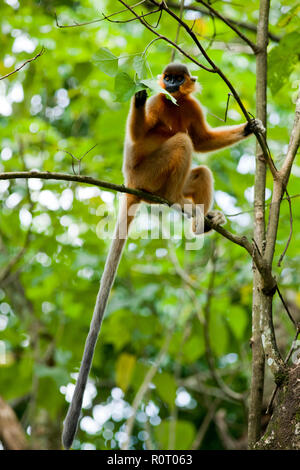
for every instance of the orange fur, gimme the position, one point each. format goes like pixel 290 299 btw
pixel 161 138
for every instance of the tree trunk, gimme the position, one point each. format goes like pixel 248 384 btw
pixel 258 358
pixel 283 431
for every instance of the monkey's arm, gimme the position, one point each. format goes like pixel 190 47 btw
pixel 206 139
pixel 140 119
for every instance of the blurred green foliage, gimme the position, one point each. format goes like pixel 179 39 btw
pixel 74 96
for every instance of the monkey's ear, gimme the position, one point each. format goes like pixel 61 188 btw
pixel 194 79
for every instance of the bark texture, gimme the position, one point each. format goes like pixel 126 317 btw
pixel 283 431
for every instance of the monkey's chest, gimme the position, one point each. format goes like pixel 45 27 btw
pixel 171 124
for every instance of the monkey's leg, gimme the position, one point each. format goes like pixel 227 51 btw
pixel 126 214
pixel 178 152
pixel 164 171
pixel 199 187
pixel 176 157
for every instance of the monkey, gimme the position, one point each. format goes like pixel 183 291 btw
pixel 160 139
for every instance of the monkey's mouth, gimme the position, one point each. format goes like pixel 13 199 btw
pixel 172 88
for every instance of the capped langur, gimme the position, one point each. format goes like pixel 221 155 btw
pixel 160 139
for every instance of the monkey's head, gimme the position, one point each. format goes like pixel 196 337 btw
pixel 176 79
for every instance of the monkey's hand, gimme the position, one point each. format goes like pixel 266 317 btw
pixel 255 125
pixel 140 98
pixel 216 217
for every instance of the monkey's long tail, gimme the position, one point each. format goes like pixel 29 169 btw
pixel 110 269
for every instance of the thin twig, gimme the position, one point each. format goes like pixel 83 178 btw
pixel 241 24
pixel 158 20
pixel 286 307
pixel 76 158
pixel 76 25
pixel 24 63
pixel 230 24
pixel 205 424
pixel 291 230
pixel 166 39
pixel 178 30
pixel 143 15
pixel 226 110
pixel 144 387
pixel 180 271
pixel 266 205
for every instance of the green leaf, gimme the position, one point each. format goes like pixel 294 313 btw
pixel 166 388
pixel 218 334
pixel 156 88
pixel 124 370
pixel 292 16
pixel 237 319
pixel 82 70
pixel 107 61
pixel 125 87
pixel 282 61
pixel 58 374
pixel 139 374
pixel 140 66
pixel 114 332
pixel 184 434
pixel 193 348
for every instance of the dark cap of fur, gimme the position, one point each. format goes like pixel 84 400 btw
pixel 177 69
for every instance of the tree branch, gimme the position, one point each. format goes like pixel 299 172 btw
pixel 47 175
pixel 262 266
pixel 280 184
pixel 76 25
pixel 24 63
pixel 231 25
pixel 258 355
pixel 293 144
pixel 163 6
pixel 241 24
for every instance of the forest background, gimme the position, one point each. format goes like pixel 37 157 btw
pixel 178 325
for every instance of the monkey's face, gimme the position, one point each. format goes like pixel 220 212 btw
pixel 172 82
pixel 177 84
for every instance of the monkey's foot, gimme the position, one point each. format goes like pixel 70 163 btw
pixel 255 125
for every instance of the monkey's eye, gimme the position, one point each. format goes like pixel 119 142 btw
pixel 167 78
pixel 180 78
